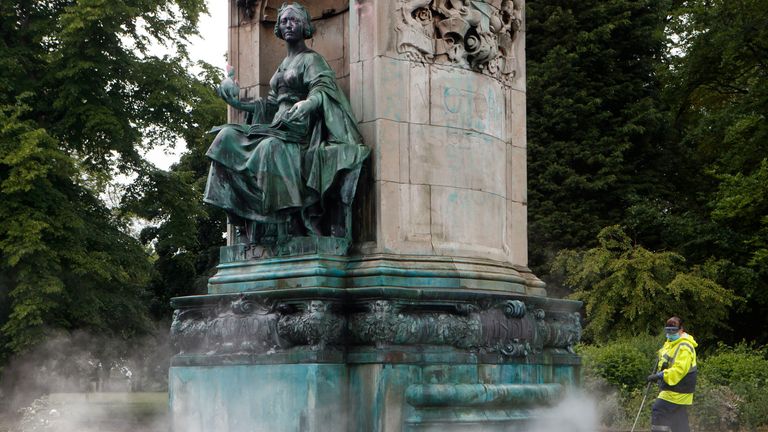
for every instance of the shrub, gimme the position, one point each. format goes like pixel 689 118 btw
pixel 733 382
pixel 715 407
pixel 730 395
pixel 623 363
pixel 615 373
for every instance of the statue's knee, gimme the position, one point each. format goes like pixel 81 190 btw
pixel 270 146
pixel 227 134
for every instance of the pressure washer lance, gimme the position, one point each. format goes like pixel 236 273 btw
pixel 645 395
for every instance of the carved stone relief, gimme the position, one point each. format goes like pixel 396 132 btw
pixel 385 323
pixel 318 9
pixel 256 326
pixel 248 7
pixel 475 34
pixel 315 325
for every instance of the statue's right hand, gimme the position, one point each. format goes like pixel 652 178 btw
pixel 229 90
pixel 229 99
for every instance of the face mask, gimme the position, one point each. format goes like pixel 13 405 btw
pixel 673 337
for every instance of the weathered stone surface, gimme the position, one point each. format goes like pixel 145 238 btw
pixel 446 156
pixel 356 89
pixel 516 232
pixel 318 9
pixel 389 150
pixel 371 20
pixel 329 41
pixel 364 397
pixel 518 83
pixel 515 118
pixel 467 223
pixel 405 218
pixel 418 93
pixel 246 63
pixel 392 89
pixel 516 185
pixel 247 398
pixel 464 105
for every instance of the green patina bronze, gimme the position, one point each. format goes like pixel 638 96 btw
pixel 290 172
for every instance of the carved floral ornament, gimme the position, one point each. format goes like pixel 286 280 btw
pixel 475 34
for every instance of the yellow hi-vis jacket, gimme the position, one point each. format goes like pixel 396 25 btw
pixel 678 362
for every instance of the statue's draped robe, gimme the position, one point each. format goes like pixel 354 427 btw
pixel 276 166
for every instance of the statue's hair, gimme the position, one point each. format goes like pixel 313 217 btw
pixel 309 29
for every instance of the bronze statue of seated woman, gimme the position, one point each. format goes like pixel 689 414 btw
pixel 291 171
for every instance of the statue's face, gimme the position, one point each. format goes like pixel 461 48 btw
pixel 291 25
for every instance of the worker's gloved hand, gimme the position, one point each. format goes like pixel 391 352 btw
pixel 658 376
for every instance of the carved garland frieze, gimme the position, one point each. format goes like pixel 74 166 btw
pixel 508 328
pixel 383 322
pixel 315 324
pixel 475 34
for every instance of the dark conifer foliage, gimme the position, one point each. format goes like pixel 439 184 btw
pixel 594 117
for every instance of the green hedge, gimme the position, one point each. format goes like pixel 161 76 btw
pixel 731 395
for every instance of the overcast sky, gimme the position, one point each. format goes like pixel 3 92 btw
pixel 211 47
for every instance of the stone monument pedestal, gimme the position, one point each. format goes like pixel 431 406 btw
pixel 323 343
pixel 431 320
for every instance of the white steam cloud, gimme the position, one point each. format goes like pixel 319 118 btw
pixel 577 412
pixel 81 383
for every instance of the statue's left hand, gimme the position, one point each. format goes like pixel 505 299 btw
pixel 300 109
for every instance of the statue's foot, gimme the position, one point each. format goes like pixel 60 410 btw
pixel 312 225
pixel 296 227
pixel 241 234
pixel 338 231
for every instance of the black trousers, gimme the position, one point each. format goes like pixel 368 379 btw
pixel 674 416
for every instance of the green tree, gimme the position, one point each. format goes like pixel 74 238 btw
pixel 184 233
pixel 651 115
pixel 594 117
pixel 718 89
pixel 628 290
pixel 67 259
pixel 81 98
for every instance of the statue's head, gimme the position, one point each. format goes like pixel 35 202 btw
pixel 302 12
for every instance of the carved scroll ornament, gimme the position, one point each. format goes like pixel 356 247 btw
pixel 475 34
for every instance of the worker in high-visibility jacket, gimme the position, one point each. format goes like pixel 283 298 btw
pixel 677 379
